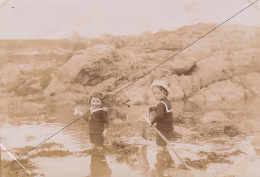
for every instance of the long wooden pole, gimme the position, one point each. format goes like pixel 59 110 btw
pixel 14 158
pixel 165 139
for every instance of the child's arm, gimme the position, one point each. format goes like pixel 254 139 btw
pixel 152 109
pixel 77 111
pixel 159 113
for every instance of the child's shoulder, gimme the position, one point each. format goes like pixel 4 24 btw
pixel 164 103
pixel 105 109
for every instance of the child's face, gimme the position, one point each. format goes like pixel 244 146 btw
pixel 95 102
pixel 158 93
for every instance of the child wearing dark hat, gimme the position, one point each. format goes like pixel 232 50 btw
pixel 163 118
pixel 98 120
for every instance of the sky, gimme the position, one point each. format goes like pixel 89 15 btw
pixel 54 19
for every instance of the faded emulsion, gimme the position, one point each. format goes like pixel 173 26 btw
pixel 105 106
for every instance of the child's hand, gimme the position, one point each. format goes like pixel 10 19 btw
pixel 104 133
pixel 153 123
pixel 76 110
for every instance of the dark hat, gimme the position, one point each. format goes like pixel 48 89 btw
pixel 96 95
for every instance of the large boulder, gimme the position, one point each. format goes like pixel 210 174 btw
pixel 220 91
pixel 213 69
pixel 90 67
pixel 182 64
pixel 225 65
pixel 228 91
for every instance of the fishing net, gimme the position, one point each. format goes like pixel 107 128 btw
pixel 140 118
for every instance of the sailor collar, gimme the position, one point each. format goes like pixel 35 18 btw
pixel 93 109
pixel 167 109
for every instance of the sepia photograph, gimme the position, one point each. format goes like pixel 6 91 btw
pixel 129 88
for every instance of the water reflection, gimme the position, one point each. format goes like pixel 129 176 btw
pixel 164 161
pixel 157 168
pixel 99 166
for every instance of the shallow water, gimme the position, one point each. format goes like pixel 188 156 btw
pixel 147 162
pixel 71 165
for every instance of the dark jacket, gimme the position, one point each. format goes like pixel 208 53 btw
pixel 163 116
pixel 98 121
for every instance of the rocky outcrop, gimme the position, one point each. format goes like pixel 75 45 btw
pixel 222 67
pixel 9 74
pixel 210 71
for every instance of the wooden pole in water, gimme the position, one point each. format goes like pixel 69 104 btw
pixel 168 143
pixel 146 117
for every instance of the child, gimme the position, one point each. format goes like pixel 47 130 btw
pixel 98 121
pixel 163 117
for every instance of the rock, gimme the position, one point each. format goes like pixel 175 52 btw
pixel 107 85
pixel 251 82
pixel 202 50
pixel 68 98
pixel 33 82
pixel 71 69
pixel 218 92
pixel 19 108
pixel 10 74
pixel 256 141
pixel 183 131
pixel 186 84
pixel 153 56
pixel 198 99
pixel 135 95
pixel 228 91
pixel 76 87
pixel 213 69
pixel 195 84
pixel 242 66
pixel 211 97
pixel 176 91
pixel 55 86
pixel 26 68
pixel 91 67
pixel 215 117
pixel 182 65
pixel 121 99
pixel 248 125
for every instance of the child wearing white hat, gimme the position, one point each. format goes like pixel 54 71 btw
pixel 163 118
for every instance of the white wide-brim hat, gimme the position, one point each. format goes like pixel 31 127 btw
pixel 162 84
